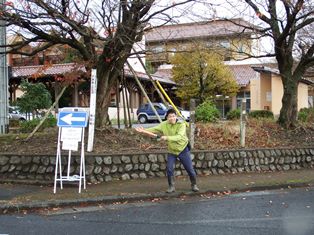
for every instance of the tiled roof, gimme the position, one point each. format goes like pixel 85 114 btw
pixel 310 73
pixel 165 73
pixel 44 70
pixel 156 77
pixel 242 74
pixel 59 69
pixel 213 28
pixel 267 69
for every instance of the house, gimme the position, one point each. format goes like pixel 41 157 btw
pixel 225 37
pixel 309 75
pixel 229 38
pixel 268 91
pixel 262 88
pixel 53 66
pixel 78 92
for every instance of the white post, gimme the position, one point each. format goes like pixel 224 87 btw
pixel 242 123
pixel 4 120
pixel 92 111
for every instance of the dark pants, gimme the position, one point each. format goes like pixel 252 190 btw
pixel 185 159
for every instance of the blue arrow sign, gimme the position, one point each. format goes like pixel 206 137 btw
pixel 72 119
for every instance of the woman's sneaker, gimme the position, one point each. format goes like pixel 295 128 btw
pixel 195 188
pixel 171 189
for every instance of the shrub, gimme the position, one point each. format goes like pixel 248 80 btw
pixel 234 114
pixel 306 115
pixel 207 112
pixel 14 123
pixel 261 114
pixel 29 126
pixel 35 97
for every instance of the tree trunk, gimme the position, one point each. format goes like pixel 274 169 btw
pixel 108 73
pixel 106 81
pixel 110 64
pixel 289 110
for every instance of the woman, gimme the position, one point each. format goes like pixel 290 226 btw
pixel 174 132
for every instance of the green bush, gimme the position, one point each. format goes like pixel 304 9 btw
pixel 29 126
pixel 35 97
pixel 207 112
pixel 261 114
pixel 306 115
pixel 234 114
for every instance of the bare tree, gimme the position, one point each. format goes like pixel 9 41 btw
pixel 289 23
pixel 111 25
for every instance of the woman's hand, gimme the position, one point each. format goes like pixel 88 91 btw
pixel 139 129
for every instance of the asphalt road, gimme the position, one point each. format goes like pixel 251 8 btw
pixel 284 212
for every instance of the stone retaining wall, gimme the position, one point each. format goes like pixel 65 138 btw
pixel 142 165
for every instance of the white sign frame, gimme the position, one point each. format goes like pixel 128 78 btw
pixel 69 138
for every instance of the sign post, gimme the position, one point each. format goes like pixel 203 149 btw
pixel 71 123
pixel 92 111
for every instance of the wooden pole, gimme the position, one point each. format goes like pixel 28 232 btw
pixel 143 91
pixel 127 102
pixel 151 78
pixel 118 101
pixel 124 105
pixel 192 122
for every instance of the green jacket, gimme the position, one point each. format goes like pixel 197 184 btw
pixel 176 135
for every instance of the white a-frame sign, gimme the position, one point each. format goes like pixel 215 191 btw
pixel 71 123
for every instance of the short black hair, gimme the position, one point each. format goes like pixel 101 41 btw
pixel 170 111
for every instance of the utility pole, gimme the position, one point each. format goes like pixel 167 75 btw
pixel 4 119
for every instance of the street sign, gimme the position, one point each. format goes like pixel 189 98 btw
pixel 70 136
pixel 72 119
pixel 71 122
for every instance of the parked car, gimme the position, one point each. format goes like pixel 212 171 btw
pixel 145 113
pixel 185 114
pixel 15 114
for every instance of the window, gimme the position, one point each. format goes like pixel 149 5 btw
pixel 172 51
pixel 157 49
pixel 244 95
pixel 310 101
pixel 225 44
pixel 157 107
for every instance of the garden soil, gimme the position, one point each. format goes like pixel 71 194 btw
pixel 222 135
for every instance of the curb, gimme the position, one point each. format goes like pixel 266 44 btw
pixel 37 205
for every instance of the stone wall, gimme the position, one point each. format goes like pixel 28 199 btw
pixel 142 165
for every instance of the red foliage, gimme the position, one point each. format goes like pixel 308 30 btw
pixel 9 3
